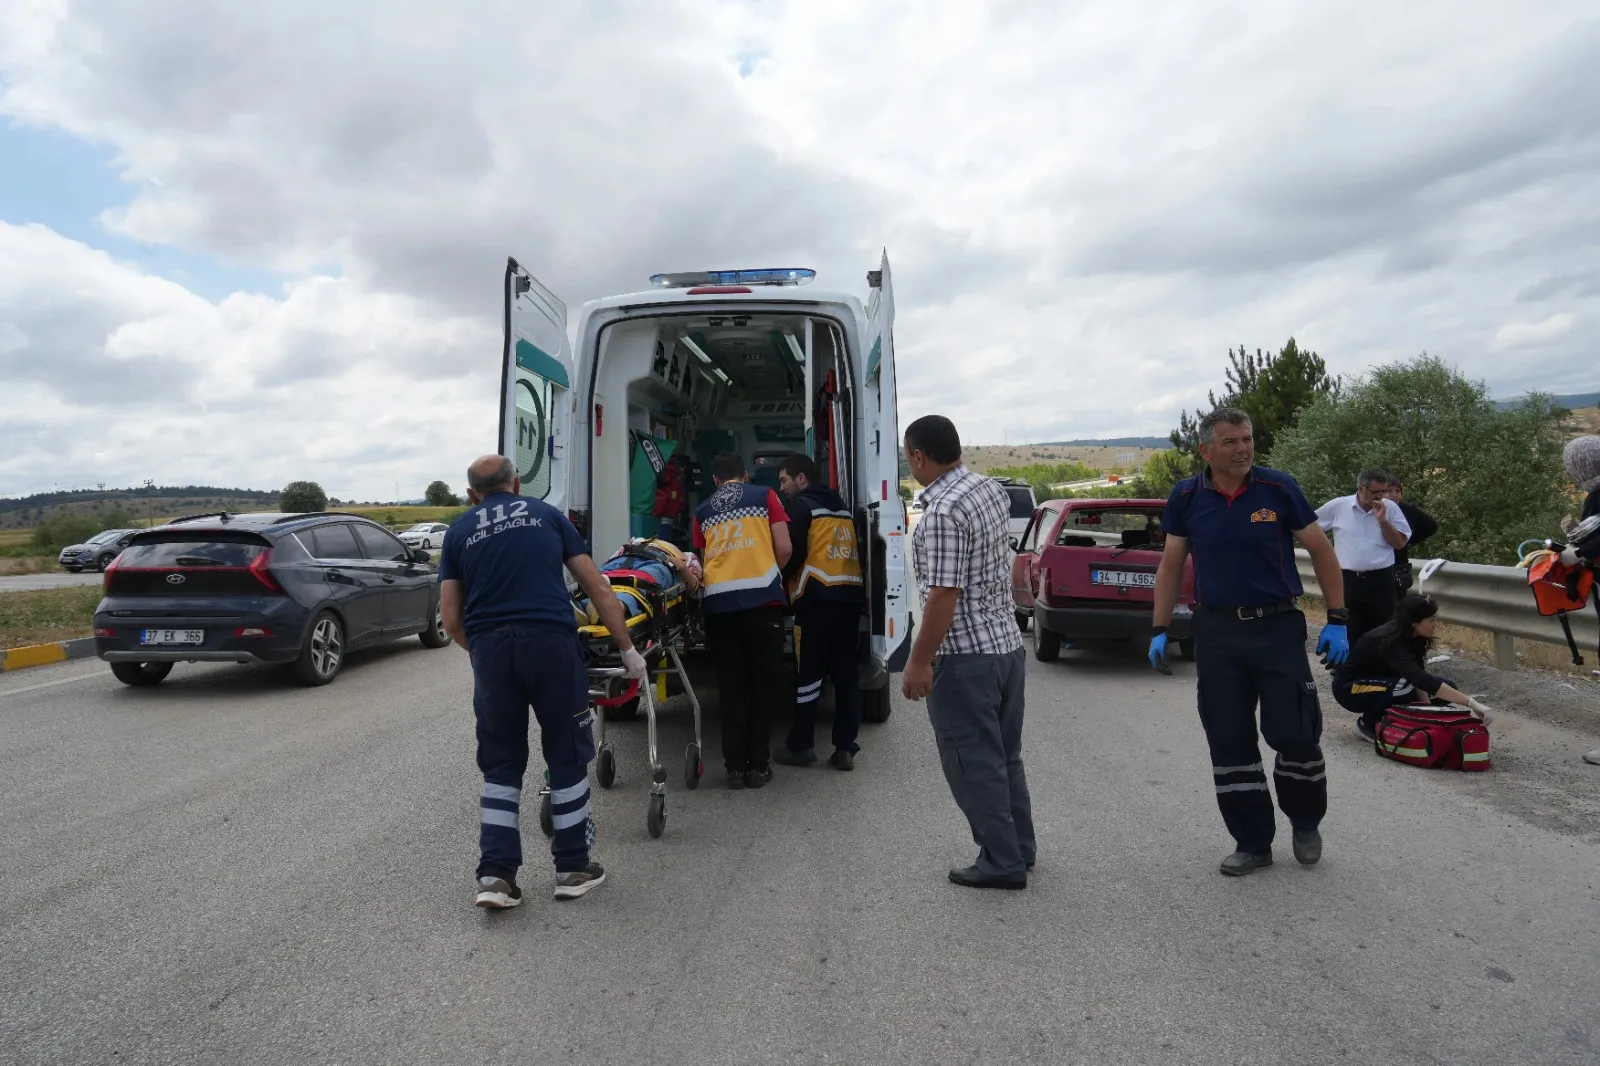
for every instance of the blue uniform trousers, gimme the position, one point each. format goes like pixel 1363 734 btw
pixel 514 667
pixel 1260 661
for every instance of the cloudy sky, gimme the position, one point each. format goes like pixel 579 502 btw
pixel 247 243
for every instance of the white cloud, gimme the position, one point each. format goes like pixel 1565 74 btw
pixel 1534 334
pixel 130 376
pixel 1087 204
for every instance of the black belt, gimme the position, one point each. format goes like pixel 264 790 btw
pixel 1369 573
pixel 1250 613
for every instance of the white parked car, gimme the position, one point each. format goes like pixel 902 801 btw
pixel 424 535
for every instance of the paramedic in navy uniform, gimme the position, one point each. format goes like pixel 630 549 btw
pixel 1241 520
pixel 504 598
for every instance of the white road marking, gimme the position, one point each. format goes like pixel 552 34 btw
pixel 47 684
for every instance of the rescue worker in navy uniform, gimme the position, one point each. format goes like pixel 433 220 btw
pixel 742 532
pixel 825 586
pixel 504 598
pixel 1241 521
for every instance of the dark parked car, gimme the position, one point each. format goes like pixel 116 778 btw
pixel 263 588
pixel 97 552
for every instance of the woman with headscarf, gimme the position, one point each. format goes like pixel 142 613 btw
pixel 1388 667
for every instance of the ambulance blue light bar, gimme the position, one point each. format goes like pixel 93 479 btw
pixel 771 276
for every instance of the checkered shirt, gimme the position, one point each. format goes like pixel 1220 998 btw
pixel 962 542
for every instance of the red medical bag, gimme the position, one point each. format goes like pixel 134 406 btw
pixel 1434 737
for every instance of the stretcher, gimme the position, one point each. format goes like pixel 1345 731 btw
pixel 662 622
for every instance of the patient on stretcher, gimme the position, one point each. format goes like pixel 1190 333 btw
pixel 654 562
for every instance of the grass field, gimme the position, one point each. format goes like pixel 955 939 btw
pixel 47 615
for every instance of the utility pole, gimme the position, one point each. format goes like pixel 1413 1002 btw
pixel 149 504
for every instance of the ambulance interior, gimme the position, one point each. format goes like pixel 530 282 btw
pixel 710 382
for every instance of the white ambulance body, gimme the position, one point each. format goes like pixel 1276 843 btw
pixel 716 361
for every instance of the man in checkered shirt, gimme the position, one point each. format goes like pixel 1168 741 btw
pixel 968 659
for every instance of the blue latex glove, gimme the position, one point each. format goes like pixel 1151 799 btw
pixel 1335 641
pixel 1158 650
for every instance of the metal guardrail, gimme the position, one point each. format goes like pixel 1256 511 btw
pixel 1495 599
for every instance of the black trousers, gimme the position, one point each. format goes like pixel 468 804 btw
pixel 1370 598
pixel 1371 696
pixel 1243 664
pixel 747 650
pixel 825 637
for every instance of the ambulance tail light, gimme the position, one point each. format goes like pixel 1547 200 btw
pixel 580 522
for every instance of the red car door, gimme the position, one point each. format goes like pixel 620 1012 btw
pixel 1025 567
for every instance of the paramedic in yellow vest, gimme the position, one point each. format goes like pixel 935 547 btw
pixel 742 533
pixel 825 587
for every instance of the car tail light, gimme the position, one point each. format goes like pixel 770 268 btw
pixel 106 583
pixel 258 569
pixel 252 631
pixel 104 631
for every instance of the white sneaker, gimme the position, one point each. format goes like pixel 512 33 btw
pixel 1592 756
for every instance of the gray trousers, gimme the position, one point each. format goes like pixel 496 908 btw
pixel 976 711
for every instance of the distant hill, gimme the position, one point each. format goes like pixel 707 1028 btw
pixel 162 501
pixel 1572 402
pixel 1111 442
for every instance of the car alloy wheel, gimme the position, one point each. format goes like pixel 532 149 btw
pixel 327 647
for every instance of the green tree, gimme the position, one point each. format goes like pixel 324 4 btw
pixel 1043 476
pixel 117 518
pixel 302 496
pixel 438 494
pixel 1271 388
pixel 1492 478
pixel 68 528
pixel 1163 470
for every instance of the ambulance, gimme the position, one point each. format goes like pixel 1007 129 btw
pixel 750 361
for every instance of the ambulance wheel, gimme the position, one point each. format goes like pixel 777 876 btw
pixel 622 712
pixel 875 705
pixel 693 768
pixel 1046 645
pixel 605 770
pixel 1186 649
pixel 1023 618
pixel 547 818
pixel 655 820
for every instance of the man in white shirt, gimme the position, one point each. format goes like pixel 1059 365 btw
pixel 1366 530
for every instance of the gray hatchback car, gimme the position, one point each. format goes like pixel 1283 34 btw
pixel 299 589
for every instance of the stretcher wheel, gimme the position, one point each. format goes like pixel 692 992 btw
pixel 605 770
pixel 656 819
pixel 547 818
pixel 693 768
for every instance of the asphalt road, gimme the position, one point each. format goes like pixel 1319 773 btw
pixel 230 869
pixel 58 580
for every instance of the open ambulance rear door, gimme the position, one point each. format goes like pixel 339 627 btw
pixel 537 375
pixel 888 569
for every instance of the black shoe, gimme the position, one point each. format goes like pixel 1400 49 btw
pixel 843 760
pixel 497 893
pixel 972 877
pixel 758 778
pixel 1365 730
pixel 736 779
pixel 807 757
pixel 1307 847
pixel 1244 862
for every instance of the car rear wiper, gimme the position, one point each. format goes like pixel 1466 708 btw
pixel 198 560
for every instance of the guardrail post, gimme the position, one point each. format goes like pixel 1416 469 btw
pixel 1505 651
